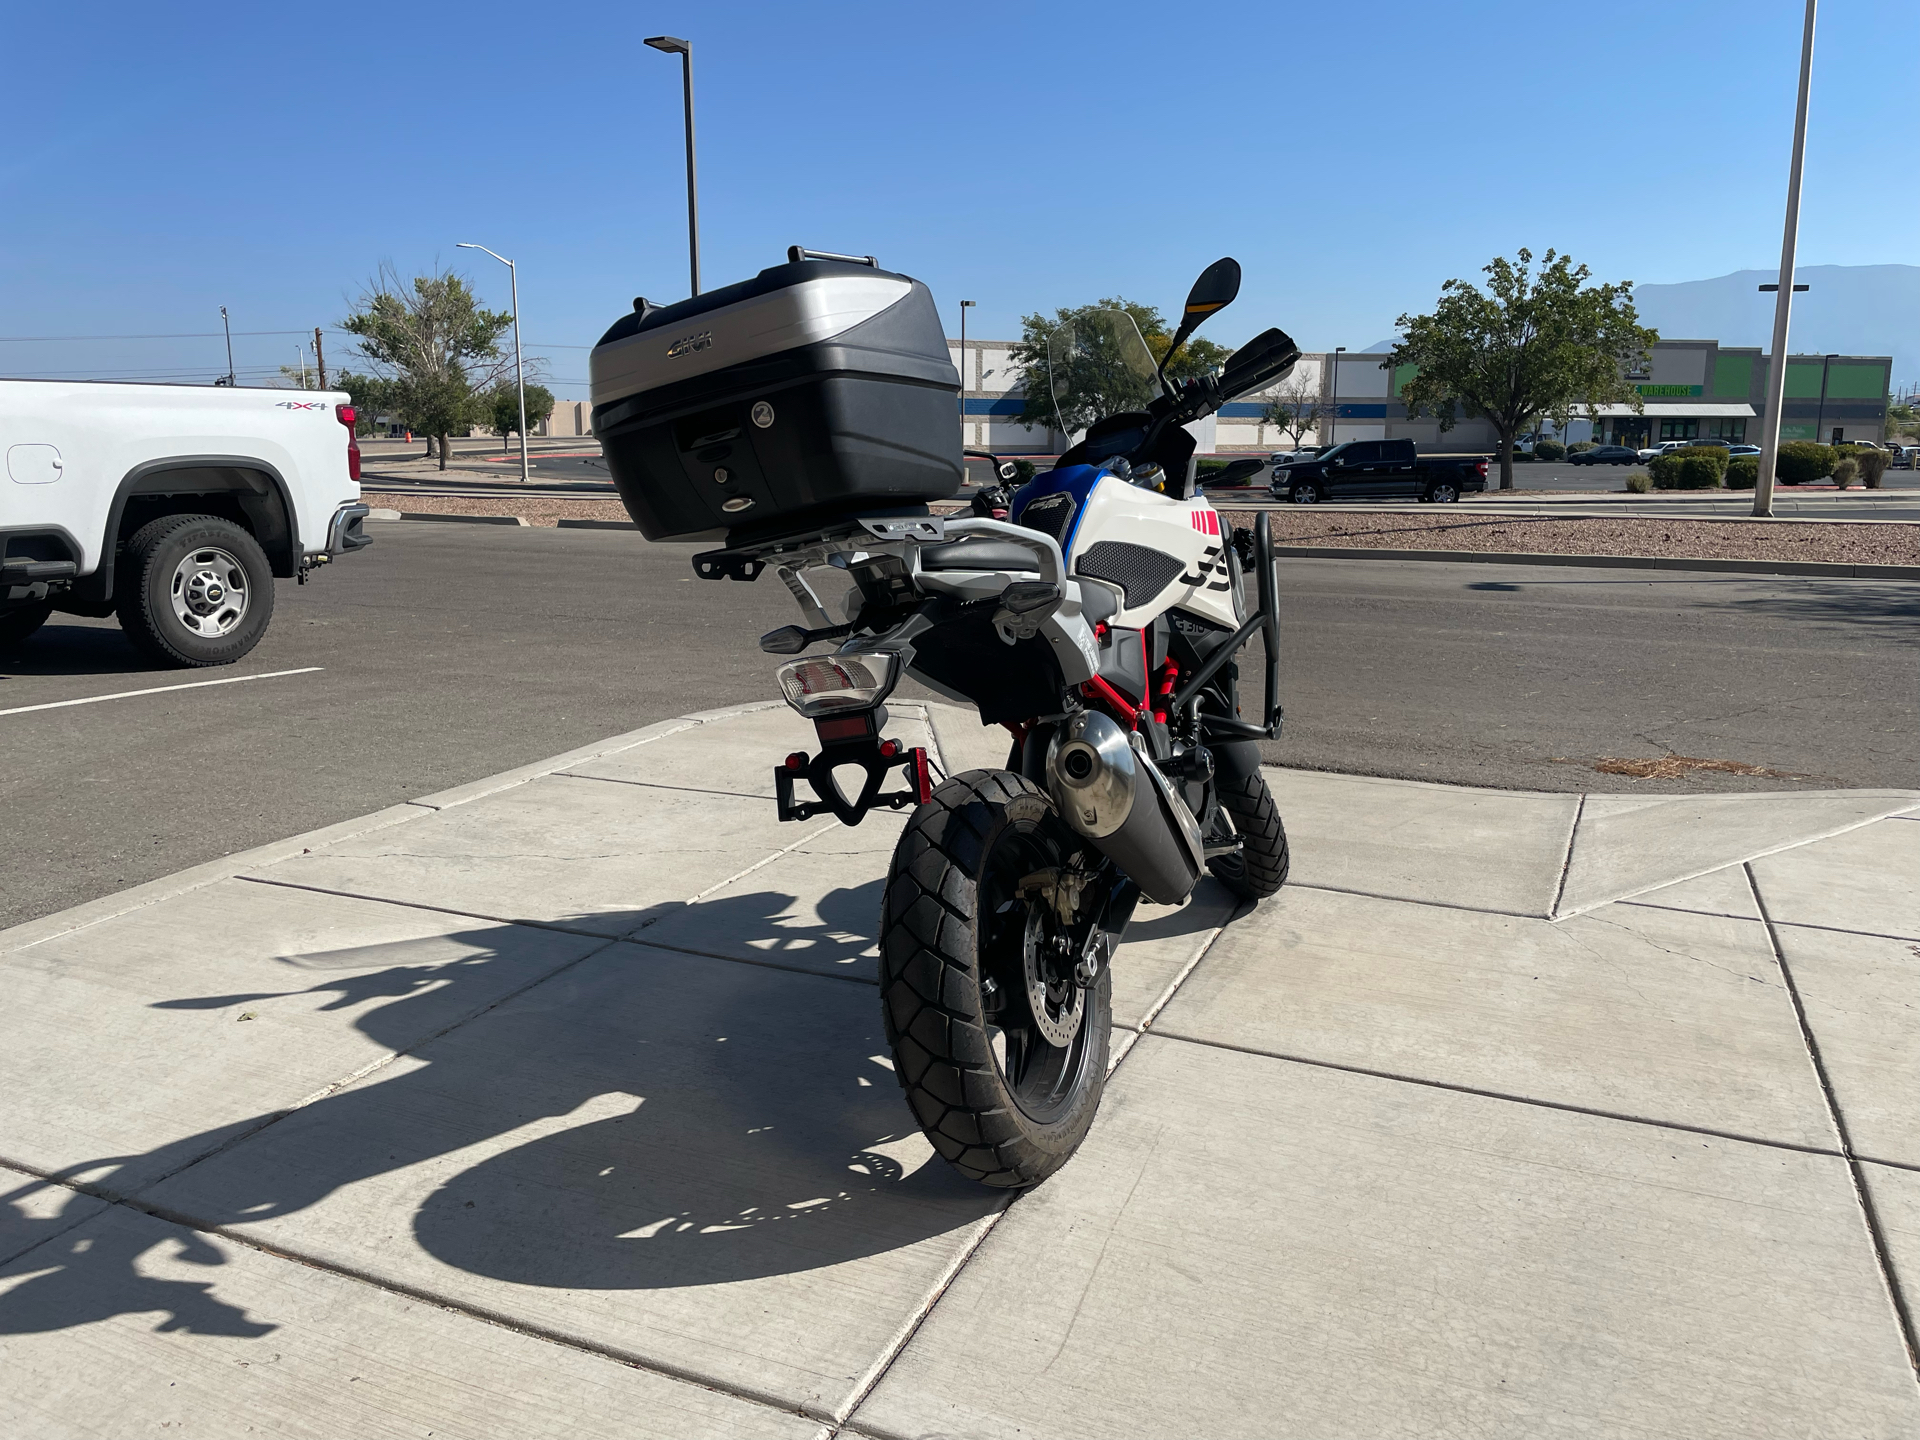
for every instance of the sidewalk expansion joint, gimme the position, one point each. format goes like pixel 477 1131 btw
pixel 1411 900
pixel 482 1314
pixel 1566 865
pixel 1485 1094
pixel 656 785
pixel 1777 924
pixel 1876 1235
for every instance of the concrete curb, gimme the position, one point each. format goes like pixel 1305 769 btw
pixel 568 524
pixel 1608 562
pixel 463 519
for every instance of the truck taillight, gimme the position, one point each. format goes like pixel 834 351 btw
pixel 1482 468
pixel 345 415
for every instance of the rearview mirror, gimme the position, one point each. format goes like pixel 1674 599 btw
pixel 1214 290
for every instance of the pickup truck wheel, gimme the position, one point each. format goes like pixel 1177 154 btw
pixel 17 625
pixel 194 590
pixel 1443 492
pixel 1305 492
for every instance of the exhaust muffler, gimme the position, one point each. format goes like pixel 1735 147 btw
pixel 1116 798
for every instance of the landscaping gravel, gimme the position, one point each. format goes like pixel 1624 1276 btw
pixel 1891 543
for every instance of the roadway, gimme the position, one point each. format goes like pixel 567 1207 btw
pixel 449 652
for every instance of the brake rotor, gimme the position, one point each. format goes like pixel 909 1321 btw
pixel 1056 1004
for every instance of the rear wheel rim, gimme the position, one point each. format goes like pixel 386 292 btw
pixel 1043 1078
pixel 209 592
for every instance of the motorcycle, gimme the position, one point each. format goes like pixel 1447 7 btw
pixel 1100 622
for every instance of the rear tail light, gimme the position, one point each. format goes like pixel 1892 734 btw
pixel 346 416
pixel 825 684
pixel 1482 468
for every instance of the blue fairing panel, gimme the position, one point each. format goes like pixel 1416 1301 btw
pixel 1054 502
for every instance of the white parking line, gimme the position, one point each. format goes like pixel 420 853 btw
pixel 160 690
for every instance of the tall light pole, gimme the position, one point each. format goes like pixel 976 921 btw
pixel 668 44
pixel 1826 363
pixel 1333 401
pixel 1783 299
pixel 519 376
pixel 229 330
pixel 965 305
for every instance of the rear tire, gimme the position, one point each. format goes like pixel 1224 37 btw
pixel 16 626
pixel 1261 866
pixel 194 590
pixel 1001 1102
pixel 1443 492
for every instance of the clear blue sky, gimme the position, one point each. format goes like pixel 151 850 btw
pixel 160 164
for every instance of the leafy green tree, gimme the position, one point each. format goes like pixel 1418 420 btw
pixel 436 346
pixel 503 408
pixel 1098 384
pixel 371 396
pixel 1529 346
pixel 1902 419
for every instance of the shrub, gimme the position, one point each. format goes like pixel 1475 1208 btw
pixel 1801 462
pixel 1845 471
pixel 1579 445
pixel 1686 470
pixel 1743 473
pixel 1873 464
pixel 1715 454
pixel 1639 482
pixel 1549 450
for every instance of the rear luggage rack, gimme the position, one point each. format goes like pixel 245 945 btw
pixel 795 255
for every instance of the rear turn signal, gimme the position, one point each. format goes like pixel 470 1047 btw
pixel 346 416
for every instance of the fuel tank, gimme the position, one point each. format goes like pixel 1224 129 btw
pixel 1153 551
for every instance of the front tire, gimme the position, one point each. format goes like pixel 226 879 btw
pixel 194 590
pixel 1002 1060
pixel 1262 864
pixel 1305 493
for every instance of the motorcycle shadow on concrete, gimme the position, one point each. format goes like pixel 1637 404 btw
pixel 638 1120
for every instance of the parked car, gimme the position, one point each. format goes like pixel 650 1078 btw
pixel 1734 452
pixel 1281 458
pixel 1380 470
pixel 173 507
pixel 1907 457
pixel 1666 447
pixel 1605 455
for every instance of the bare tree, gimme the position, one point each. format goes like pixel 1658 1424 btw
pixel 1294 408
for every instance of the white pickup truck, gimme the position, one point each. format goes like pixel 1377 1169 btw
pixel 173 507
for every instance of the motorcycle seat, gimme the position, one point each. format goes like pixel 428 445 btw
pixel 979 553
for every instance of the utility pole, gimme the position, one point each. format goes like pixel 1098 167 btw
pixel 319 360
pixel 670 45
pixel 300 351
pixel 1783 299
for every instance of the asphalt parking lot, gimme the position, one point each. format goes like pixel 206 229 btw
pixel 447 652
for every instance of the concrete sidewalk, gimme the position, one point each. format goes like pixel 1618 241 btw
pixel 558 1105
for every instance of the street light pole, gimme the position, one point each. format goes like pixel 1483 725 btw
pixel 1783 300
pixel 519 375
pixel 1333 403
pixel 670 45
pixel 229 331
pixel 1820 422
pixel 965 305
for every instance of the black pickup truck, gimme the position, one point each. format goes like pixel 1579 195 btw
pixel 1379 470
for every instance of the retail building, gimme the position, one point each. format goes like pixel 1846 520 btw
pixel 1689 389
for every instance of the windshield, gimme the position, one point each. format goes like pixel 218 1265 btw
pixel 1097 365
